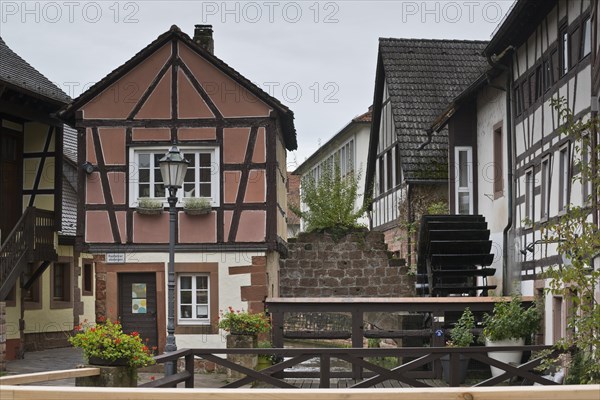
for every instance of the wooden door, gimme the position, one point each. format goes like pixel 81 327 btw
pixel 137 305
pixel 11 178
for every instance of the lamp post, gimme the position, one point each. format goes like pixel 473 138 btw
pixel 173 168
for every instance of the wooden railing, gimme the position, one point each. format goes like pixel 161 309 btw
pixel 47 376
pixel 439 308
pixel 43 236
pixel 31 240
pixel 569 392
pixel 407 373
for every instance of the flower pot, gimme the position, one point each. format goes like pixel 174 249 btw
pixel 264 361
pixel 119 362
pixel 462 373
pixel 508 357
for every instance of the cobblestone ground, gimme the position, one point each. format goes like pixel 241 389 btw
pixel 69 358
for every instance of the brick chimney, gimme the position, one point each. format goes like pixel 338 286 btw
pixel 203 36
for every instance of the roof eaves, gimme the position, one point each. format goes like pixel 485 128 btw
pixel 508 30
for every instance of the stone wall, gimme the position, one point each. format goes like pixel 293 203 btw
pixel 2 336
pixel 355 265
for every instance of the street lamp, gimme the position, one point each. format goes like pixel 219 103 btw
pixel 173 168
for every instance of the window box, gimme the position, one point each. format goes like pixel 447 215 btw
pixel 148 206
pixel 197 206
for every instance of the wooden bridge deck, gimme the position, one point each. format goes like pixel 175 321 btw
pixel 346 383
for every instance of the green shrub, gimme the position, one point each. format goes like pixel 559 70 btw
pixel 330 200
pixel 461 335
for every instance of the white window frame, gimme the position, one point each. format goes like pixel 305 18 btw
pixel 564 177
pixel 586 182
pixel 133 172
pixel 530 195
pixel 193 321
pixel 566 59
pixel 469 188
pixel 586 39
pixel 546 174
pixel 345 157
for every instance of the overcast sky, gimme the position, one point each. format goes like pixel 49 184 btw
pixel 318 58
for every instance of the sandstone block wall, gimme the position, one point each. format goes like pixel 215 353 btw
pixel 355 265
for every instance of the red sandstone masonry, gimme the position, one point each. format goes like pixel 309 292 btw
pixel 256 293
pixel 356 265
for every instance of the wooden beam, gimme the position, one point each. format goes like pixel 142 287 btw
pixel 46 376
pixel 395 300
pixel 566 392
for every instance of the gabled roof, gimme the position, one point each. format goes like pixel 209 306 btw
pixel 17 72
pixel 287 116
pixel 422 76
pixel 518 24
pixel 363 119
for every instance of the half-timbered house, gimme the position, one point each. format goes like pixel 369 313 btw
pixel 176 91
pixel 407 164
pixel 45 287
pixel 519 163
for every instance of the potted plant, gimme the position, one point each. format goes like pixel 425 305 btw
pixel 149 206
pixel 242 322
pixel 460 336
pixel 243 328
pixel 509 325
pixel 264 360
pixel 106 344
pixel 197 205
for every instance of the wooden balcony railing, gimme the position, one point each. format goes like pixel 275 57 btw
pixel 31 240
pixel 408 373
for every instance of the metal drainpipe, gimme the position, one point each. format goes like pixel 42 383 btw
pixel 494 61
pixel 410 220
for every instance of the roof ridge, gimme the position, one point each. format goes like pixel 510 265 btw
pixel 433 40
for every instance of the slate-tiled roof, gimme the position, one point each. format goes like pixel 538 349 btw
pixel 423 77
pixel 16 71
pixel 69 201
pixel 70 143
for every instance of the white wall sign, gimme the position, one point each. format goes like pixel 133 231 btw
pixel 115 258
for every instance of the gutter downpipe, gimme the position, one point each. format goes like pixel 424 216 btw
pixel 494 61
